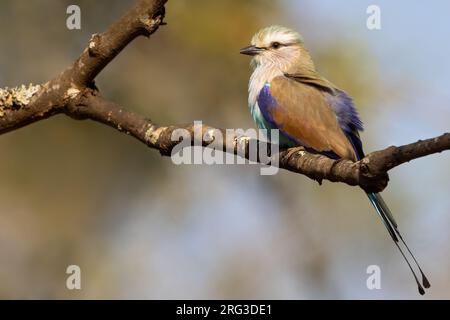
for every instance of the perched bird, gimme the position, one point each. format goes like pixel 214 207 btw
pixel 287 93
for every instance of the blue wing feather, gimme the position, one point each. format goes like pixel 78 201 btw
pixel 354 139
pixel 348 118
pixel 266 102
pixel 346 112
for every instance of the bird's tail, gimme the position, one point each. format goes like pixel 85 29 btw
pixel 388 220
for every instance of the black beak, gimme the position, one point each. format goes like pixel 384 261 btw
pixel 251 50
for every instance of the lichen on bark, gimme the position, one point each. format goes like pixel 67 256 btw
pixel 15 98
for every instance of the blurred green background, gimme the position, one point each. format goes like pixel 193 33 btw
pixel 74 192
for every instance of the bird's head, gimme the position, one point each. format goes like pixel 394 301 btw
pixel 279 47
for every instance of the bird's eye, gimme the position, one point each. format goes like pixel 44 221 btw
pixel 276 45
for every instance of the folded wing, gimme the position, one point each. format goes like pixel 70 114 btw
pixel 303 113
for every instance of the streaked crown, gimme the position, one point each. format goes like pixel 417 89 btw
pixel 264 38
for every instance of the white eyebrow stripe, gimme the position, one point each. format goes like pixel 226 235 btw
pixel 276 34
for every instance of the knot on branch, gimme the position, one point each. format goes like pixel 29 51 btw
pixel 78 102
pixel 371 178
pixel 95 47
pixel 161 137
pixel 150 23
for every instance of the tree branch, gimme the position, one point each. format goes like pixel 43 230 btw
pixel 143 19
pixel 370 173
pixel 73 93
